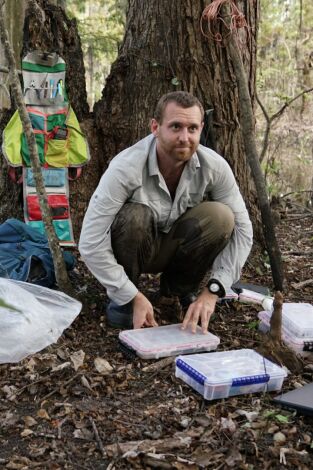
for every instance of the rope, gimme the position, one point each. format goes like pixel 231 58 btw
pixel 211 14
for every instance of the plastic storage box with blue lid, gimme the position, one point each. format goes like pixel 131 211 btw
pixel 168 340
pixel 224 374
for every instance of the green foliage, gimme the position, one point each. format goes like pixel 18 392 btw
pixel 101 27
pixel 279 417
pixel 253 325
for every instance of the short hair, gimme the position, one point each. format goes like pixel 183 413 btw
pixel 181 98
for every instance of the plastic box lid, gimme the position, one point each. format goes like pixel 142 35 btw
pixel 221 374
pixel 297 318
pixel 301 345
pixel 169 340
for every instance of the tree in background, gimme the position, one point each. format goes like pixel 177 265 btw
pixel 163 50
pixel 285 70
pixel 101 28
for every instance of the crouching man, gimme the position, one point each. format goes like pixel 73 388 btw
pixel 167 205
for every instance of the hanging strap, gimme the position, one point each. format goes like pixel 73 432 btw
pixel 13 175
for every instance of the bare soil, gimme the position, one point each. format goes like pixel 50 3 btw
pixel 58 412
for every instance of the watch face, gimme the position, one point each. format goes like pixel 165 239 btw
pixel 214 287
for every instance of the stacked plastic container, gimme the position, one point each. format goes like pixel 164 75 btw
pixel 297 325
pixel 223 374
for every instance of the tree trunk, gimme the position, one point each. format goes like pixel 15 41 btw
pixel 163 50
pixel 10 195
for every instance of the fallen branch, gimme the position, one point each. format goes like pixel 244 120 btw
pixel 156 366
pixel 147 445
pixel 298 253
pixel 299 285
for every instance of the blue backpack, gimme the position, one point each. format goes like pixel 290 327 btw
pixel 25 254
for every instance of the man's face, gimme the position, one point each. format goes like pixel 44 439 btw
pixel 178 135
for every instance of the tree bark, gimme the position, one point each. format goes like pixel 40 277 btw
pixel 163 50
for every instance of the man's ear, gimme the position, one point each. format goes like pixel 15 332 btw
pixel 154 127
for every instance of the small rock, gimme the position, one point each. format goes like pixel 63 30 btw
pixel 279 438
pixel 184 422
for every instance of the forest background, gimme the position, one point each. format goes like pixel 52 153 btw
pixel 284 70
pixel 61 404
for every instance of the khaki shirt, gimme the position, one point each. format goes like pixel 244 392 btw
pixel 133 176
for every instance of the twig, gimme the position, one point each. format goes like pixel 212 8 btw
pixel 301 284
pixel 299 217
pixel 57 389
pixel 298 253
pixel 297 192
pixel 42 379
pixel 98 438
pixel 270 119
pixel 156 366
pixel 60 427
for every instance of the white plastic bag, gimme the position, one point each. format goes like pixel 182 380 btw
pixel 39 317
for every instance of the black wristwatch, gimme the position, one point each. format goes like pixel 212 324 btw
pixel 215 287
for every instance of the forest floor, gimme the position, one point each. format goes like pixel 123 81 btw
pixel 58 410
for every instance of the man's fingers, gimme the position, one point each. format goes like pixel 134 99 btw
pixel 151 320
pixel 186 319
pixel 205 318
pixel 137 324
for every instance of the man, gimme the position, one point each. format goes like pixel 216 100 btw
pixel 167 205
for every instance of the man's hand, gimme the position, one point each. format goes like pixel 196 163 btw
pixel 202 308
pixel 142 312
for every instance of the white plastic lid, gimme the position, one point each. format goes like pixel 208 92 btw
pixel 169 340
pixel 297 318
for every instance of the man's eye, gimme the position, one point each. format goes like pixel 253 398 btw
pixel 193 129
pixel 175 126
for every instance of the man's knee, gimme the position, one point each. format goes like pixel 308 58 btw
pixel 222 217
pixel 213 216
pixel 133 220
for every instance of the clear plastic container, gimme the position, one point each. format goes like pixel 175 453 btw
pixel 297 318
pixel 169 340
pixel 224 374
pixel 252 297
pixel 301 345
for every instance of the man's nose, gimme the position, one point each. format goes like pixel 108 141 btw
pixel 183 135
